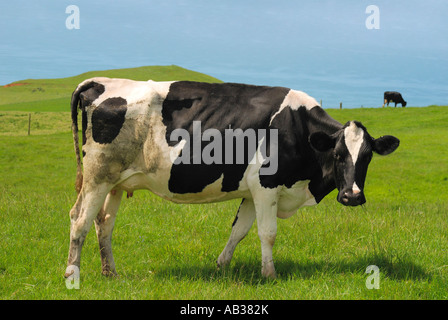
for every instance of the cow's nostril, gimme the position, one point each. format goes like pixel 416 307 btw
pixel 360 198
pixel 352 199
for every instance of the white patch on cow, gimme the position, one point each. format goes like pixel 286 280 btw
pixel 151 168
pixel 354 136
pixel 355 188
pixel 296 99
pixel 135 92
pixel 291 199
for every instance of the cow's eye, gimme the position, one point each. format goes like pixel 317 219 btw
pixel 337 157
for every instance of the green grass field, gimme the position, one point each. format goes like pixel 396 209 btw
pixel 168 251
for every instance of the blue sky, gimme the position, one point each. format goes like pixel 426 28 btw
pixel 320 47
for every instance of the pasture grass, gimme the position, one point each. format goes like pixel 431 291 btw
pixel 167 251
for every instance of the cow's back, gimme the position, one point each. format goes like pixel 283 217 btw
pixel 393 95
pixel 220 105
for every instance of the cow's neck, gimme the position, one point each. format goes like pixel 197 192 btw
pixel 322 180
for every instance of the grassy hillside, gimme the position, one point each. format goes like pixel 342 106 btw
pixel 168 251
pixel 54 94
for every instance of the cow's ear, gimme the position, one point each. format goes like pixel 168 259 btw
pixel 321 141
pixel 385 145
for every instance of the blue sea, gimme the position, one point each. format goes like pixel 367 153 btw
pixel 323 48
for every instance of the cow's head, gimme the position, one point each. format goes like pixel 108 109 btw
pixel 352 149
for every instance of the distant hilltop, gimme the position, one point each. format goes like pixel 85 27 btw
pixel 55 94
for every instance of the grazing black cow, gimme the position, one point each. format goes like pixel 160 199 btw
pixel 393 96
pixel 192 142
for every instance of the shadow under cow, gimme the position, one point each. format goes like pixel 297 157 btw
pixel 390 267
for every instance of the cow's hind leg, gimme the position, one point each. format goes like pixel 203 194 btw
pixel 83 213
pixel 241 226
pixel 104 225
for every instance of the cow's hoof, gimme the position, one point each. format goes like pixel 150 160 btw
pixel 222 262
pixel 268 272
pixel 71 270
pixel 270 276
pixel 110 273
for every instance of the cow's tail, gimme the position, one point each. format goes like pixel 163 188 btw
pixel 75 104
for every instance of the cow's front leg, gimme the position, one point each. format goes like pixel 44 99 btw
pixel 104 225
pixel 266 212
pixel 241 226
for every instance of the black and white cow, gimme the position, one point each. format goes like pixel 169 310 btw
pixel 291 154
pixel 393 96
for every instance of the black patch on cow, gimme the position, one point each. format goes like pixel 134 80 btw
pixel 235 220
pixel 107 119
pixel 217 106
pixel 322 180
pixel 84 125
pixel 89 94
pixel 92 92
pixel 295 157
pixel 236 217
pixel 297 161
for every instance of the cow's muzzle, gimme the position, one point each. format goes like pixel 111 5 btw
pixel 350 198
